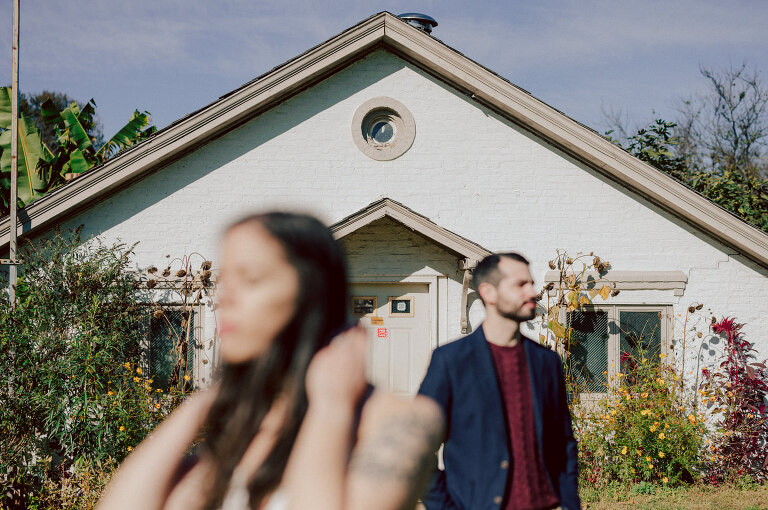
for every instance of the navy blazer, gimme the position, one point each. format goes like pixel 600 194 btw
pixel 462 379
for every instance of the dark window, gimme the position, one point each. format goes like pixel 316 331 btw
pixel 588 360
pixel 171 348
pixel 610 339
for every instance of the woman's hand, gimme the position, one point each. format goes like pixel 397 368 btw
pixel 336 376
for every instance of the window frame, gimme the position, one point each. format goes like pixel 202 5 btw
pixel 197 336
pixel 614 339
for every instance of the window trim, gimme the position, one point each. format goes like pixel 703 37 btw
pixel 614 339
pixel 675 281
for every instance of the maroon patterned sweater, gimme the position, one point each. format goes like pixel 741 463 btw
pixel 527 485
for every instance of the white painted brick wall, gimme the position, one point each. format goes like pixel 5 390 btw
pixel 468 170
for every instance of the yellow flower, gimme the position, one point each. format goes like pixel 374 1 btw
pixel 661 455
pixel 650 466
pixel 645 412
pixel 130 449
pixel 730 393
pixel 652 428
pixel 662 436
pixel 110 393
pixel 157 406
pixel 138 371
pixel 665 479
pixel 662 355
pixel 644 394
pixel 127 365
pixel 692 419
pixel 648 459
pixel 186 378
pixel 122 428
pixel 624 451
pixel 159 390
pixel 660 381
pixel 674 377
pixel 136 379
pixel 613 412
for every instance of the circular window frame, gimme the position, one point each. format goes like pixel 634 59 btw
pixel 374 111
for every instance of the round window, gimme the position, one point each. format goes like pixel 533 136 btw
pixel 383 129
pixel 380 128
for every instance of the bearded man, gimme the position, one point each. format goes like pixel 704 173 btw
pixel 508 440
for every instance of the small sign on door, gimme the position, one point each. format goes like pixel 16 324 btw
pixel 401 306
pixel 377 321
pixel 382 332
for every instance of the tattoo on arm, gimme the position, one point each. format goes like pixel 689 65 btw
pixel 399 449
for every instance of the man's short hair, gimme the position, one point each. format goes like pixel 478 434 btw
pixel 487 270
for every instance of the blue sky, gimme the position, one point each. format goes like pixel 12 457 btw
pixel 171 57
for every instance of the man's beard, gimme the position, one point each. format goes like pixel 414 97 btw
pixel 518 315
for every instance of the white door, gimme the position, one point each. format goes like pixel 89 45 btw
pixel 396 317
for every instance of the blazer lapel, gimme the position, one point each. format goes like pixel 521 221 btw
pixel 488 385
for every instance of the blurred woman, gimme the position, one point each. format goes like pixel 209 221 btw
pixel 290 423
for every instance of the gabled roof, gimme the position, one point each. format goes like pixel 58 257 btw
pixel 384 30
pixel 470 251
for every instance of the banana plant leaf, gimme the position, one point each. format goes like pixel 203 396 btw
pixel 30 152
pixel 5 108
pixel 77 163
pixel 49 112
pixel 128 135
pixel 76 123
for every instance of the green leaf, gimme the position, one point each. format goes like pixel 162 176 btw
pixel 30 153
pixel 77 162
pixel 126 136
pixel 50 113
pixel 77 132
pixel 5 108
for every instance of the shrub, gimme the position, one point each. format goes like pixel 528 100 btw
pixel 74 393
pixel 640 431
pixel 736 390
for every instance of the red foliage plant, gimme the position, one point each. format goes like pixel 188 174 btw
pixel 737 388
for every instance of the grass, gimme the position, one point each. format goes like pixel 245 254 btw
pixel 748 496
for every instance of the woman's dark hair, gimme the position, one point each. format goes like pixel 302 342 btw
pixel 248 390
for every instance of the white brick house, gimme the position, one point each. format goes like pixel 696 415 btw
pixel 458 162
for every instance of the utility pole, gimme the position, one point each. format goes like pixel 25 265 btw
pixel 14 151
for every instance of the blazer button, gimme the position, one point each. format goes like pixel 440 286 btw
pixel 497 500
pixel 504 464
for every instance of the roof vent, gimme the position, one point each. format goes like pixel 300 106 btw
pixel 421 21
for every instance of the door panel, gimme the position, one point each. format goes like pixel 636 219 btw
pixel 398 336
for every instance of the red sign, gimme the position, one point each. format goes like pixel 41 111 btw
pixel 381 332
